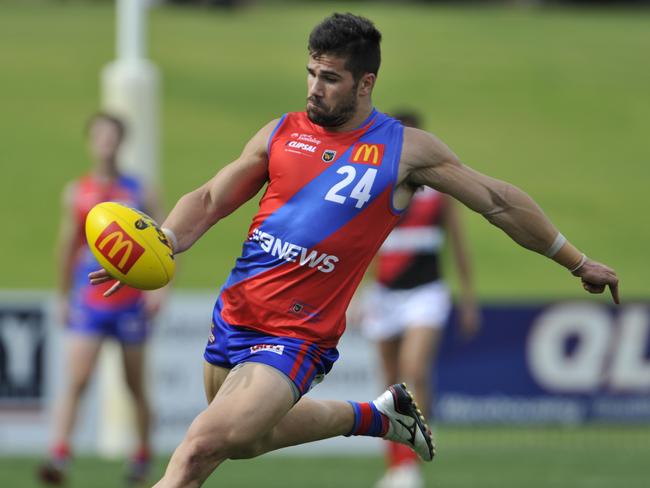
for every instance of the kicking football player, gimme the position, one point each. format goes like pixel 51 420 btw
pixel 337 176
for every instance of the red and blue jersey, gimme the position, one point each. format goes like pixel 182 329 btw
pixel 89 191
pixel 326 210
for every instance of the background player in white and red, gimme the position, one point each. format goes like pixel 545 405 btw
pixel 405 308
pixel 337 177
pixel 87 315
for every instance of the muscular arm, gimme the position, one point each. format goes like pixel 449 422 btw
pixel 433 164
pixel 428 161
pixel 197 211
pixel 230 188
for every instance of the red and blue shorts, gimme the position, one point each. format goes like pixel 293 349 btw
pixel 303 362
pixel 128 325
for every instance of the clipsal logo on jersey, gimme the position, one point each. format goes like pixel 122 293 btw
pixel 302 146
pixel 275 348
pixel 294 253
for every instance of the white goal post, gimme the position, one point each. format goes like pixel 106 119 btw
pixel 130 89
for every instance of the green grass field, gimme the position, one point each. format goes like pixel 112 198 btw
pixel 555 101
pixel 468 458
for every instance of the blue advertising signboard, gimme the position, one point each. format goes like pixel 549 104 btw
pixel 566 362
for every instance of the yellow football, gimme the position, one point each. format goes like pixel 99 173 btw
pixel 130 245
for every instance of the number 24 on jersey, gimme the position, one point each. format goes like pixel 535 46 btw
pixel 360 192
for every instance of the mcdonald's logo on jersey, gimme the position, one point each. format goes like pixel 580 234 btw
pixel 365 153
pixel 118 247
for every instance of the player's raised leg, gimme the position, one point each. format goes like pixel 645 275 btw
pixel 394 415
pixel 253 412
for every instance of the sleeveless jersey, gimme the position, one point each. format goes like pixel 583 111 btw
pixel 325 212
pixel 410 255
pixel 88 192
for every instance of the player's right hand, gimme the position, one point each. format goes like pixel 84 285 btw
pixel 101 276
pixel 596 277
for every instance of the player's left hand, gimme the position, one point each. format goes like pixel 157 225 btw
pixel 101 276
pixel 596 277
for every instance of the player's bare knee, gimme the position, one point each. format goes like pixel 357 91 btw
pixel 219 440
pixel 199 452
pixel 244 445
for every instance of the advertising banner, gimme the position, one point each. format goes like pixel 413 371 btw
pixel 567 362
pixel 562 362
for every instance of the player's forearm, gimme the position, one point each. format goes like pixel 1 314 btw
pixel 190 218
pixel 523 220
pixel 199 210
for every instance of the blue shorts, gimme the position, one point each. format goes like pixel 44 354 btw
pixel 128 325
pixel 303 362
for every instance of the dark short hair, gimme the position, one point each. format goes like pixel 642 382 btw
pixel 348 36
pixel 409 118
pixel 113 119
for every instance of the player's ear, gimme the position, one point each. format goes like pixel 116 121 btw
pixel 366 84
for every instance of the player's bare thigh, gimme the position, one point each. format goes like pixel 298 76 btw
pixel 245 405
pixel 213 378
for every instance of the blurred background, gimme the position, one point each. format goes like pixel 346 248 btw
pixel 551 96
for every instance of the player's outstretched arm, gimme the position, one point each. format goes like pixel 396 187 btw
pixel 197 211
pixel 231 187
pixel 428 161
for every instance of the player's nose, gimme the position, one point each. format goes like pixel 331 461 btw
pixel 316 89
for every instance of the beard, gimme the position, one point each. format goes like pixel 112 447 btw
pixel 335 116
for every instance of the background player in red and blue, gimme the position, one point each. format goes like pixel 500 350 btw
pixel 89 317
pixel 337 177
pixel 408 304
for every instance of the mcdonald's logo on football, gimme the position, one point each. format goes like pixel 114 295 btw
pixel 118 247
pixel 367 153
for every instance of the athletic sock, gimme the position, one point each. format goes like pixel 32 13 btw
pixel 399 455
pixel 142 455
pixel 60 454
pixel 368 420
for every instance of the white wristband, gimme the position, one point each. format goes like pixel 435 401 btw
pixel 582 262
pixel 556 246
pixel 171 236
